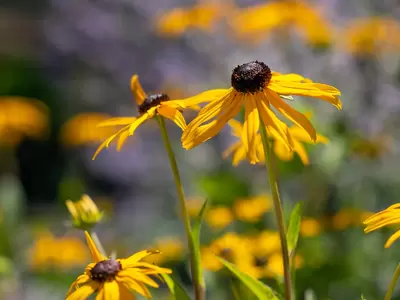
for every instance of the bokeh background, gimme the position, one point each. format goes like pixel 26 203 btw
pixel 66 65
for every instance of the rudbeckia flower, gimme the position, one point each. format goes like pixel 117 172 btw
pixel 115 278
pixel 388 216
pixel 297 134
pixel 256 87
pixel 149 106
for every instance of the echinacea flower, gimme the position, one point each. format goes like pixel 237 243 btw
pixel 386 217
pixel 85 214
pixel 298 136
pixel 257 88
pixel 149 106
pixel 115 278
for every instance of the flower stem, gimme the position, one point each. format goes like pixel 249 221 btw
pixel 96 240
pixel 269 162
pixel 392 285
pixel 197 280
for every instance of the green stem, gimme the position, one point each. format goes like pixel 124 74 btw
pixel 197 280
pixel 269 162
pixel 392 285
pixel 97 242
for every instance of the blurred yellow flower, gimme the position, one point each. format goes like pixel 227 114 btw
pixel 193 206
pixel 22 117
pixel 149 106
pixel 231 247
pixel 285 14
pixel 298 136
pixel 218 217
pixel 372 36
pixel 252 209
pixel 115 278
pixel 388 216
pixel 310 227
pixel 85 214
pixel 59 253
pixel 82 129
pixel 170 249
pixel 257 88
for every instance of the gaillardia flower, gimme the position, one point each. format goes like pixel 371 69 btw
pixel 115 278
pixel 85 214
pixel 388 216
pixel 149 106
pixel 259 89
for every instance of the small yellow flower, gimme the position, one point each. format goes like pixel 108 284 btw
pixel 61 253
pixel 252 209
pixel 219 217
pixel 286 14
pixel 310 227
pixel 115 278
pixel 170 248
pixel 372 35
pixel 22 117
pixel 193 206
pixel 258 89
pixel 82 129
pixel 231 247
pixel 149 106
pixel 84 213
pixel 388 216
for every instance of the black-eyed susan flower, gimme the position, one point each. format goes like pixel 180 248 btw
pixel 115 278
pixel 310 227
pixel 252 209
pixel 82 129
pixel 218 217
pixel 298 136
pixel 258 89
pixel 149 106
pixel 386 217
pixel 22 117
pixel 348 217
pixel 84 213
pixel 171 249
pixel 372 36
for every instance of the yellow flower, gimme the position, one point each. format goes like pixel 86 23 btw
pixel 310 227
pixel 82 129
pixel 22 117
pixel 274 15
pixel 57 252
pixel 170 248
pixel 84 213
pixel 372 35
pixel 193 206
pixel 388 216
pixel 219 217
pixel 115 278
pixel 252 209
pixel 297 135
pixel 255 86
pixel 231 247
pixel 149 106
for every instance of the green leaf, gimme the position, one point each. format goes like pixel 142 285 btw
pixel 362 297
pixel 176 289
pixel 259 289
pixel 293 232
pixel 195 235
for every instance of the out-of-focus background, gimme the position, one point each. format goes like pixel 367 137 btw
pixel 66 65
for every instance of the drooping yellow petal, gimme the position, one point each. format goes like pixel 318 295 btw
pixel 282 152
pixel 250 126
pixel 301 135
pixel 302 152
pixel 133 259
pixel 152 267
pixel 237 127
pixel 173 114
pixel 205 97
pixel 291 77
pixel 83 292
pixel 392 239
pixel 121 139
pixel 134 285
pixel 100 294
pixel 139 121
pixel 108 141
pixel 291 113
pixel 137 90
pixel 231 149
pixel 96 255
pixel 125 293
pixel 138 276
pixel 238 156
pixel 117 121
pixel 82 279
pixel 111 290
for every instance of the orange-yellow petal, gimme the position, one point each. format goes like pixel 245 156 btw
pixel 173 114
pixel 392 239
pixel 250 126
pixel 204 97
pixel 96 255
pixel 117 121
pixel 83 292
pixel 111 290
pixel 137 90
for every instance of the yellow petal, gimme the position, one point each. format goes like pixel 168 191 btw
pixel 139 121
pixel 138 276
pixel 137 90
pixel 231 149
pixel 107 142
pixel 173 114
pixel 207 96
pixel 291 113
pixel 125 293
pixel 237 127
pixel 288 77
pixel 121 140
pixel 250 128
pixel 72 209
pixel 392 239
pixel 282 152
pixel 238 156
pixel 96 255
pixel 83 292
pixel 111 290
pixel 118 121
pixel 133 259
pixel 152 267
pixel 80 280
pixel 133 285
pixel 301 151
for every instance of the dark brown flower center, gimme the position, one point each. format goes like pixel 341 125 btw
pixel 260 261
pixel 226 253
pixel 251 77
pixel 105 270
pixel 151 101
